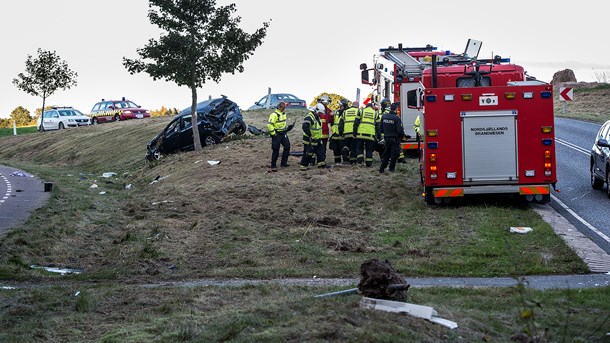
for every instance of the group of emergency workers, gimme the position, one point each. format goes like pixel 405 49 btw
pixel 354 134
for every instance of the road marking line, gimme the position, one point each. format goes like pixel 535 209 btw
pixel 580 219
pixel 573 146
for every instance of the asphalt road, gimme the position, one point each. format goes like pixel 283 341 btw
pixel 19 196
pixel 587 209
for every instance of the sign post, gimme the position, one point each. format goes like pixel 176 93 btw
pixel 566 94
pixel 15 128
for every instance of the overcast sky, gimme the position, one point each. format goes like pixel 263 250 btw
pixel 311 46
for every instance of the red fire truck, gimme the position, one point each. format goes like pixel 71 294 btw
pixel 486 127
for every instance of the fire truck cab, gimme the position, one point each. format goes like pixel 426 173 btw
pixel 486 127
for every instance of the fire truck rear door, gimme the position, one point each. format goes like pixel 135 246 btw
pixel 489 145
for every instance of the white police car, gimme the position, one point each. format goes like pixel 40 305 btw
pixel 58 118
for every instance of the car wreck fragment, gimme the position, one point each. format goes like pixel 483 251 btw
pixel 216 119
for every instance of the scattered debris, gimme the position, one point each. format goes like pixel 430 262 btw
pixel 214 163
pixel 158 178
pixel 419 311
pixel 344 292
pixel 162 202
pixel 77 293
pixel 102 192
pixel 198 161
pixel 20 174
pixel 109 174
pixel 62 271
pixel 296 153
pixel 7 287
pixel 256 131
pixel 129 186
pixel 377 277
pixel 94 186
pixel 520 229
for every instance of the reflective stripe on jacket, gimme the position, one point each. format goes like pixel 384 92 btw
pixel 367 123
pixel 349 117
pixel 276 123
pixel 312 129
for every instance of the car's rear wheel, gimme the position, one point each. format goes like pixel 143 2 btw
pixel 241 128
pixel 210 140
pixel 596 183
pixel 61 126
pixel 94 121
pixel 117 117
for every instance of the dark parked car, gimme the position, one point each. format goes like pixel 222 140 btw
pixel 600 159
pixel 216 118
pixel 293 101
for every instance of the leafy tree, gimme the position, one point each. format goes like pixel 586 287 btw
pixel 21 116
pixel 334 100
pixel 201 43
pixel 44 75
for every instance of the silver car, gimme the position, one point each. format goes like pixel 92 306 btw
pixel 600 159
pixel 59 118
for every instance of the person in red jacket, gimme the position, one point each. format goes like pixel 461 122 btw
pixel 327 119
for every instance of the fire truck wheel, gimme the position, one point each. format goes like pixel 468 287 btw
pixel 595 182
pixel 429 196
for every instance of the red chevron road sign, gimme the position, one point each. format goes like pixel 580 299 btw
pixel 566 94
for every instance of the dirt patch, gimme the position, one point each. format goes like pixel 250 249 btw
pixel 378 280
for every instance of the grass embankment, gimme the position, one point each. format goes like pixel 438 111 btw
pixel 292 314
pixel 591 103
pixel 237 220
pixel 20 131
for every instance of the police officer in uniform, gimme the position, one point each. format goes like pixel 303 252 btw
pixel 346 129
pixel 312 138
pixel 278 130
pixel 364 126
pixel 391 132
pixel 385 108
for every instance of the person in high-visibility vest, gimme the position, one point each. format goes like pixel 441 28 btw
pixel 365 128
pixel 326 118
pixel 312 138
pixel 416 127
pixel 346 129
pixel 278 130
pixel 336 140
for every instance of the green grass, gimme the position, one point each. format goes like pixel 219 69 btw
pixel 20 131
pixel 279 314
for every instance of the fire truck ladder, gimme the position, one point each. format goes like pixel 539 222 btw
pixel 409 66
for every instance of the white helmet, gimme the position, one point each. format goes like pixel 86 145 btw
pixel 325 99
pixel 320 108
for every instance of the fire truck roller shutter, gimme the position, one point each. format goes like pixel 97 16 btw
pixel 489 146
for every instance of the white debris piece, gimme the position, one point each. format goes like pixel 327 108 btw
pixel 77 293
pixel 102 192
pixel 520 229
pixel 419 311
pixel 214 163
pixel 93 186
pixel 62 271
pixel 7 287
pixel 128 186
pixel 109 174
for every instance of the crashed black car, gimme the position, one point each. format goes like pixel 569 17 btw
pixel 216 118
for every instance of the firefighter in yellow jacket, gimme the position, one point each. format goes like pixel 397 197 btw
pixel 278 130
pixel 312 138
pixel 346 129
pixel 365 128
